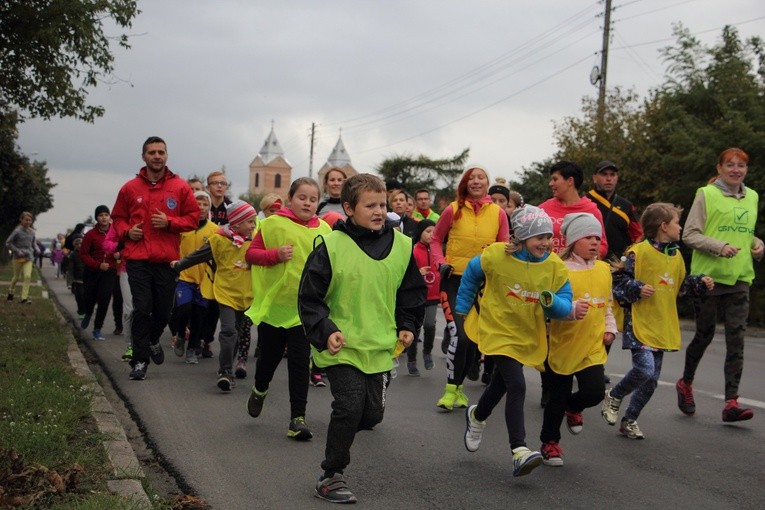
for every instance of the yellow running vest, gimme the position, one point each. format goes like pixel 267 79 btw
pixel 277 286
pixel 654 319
pixel 362 302
pixel 190 242
pixel 576 345
pixel 511 322
pixel 232 286
pixel 471 233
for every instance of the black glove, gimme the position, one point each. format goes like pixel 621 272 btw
pixel 445 270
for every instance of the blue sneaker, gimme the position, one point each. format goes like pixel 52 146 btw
pixel 97 335
pixel 525 461
pixel 139 371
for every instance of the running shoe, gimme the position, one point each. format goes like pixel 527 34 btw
pixel 427 360
pixel 552 454
pixel 525 461
pixel 156 353
pixel 610 408
pixel 97 335
pixel 334 489
pixel 128 354
pixel 225 381
pixel 138 373
pixel 298 430
pixel 574 422
pixel 685 401
pixel 240 371
pixel 255 402
pixel 734 412
pixel 317 380
pixel 473 429
pixel 630 429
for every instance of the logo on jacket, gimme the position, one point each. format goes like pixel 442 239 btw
pixel 171 203
pixel 665 279
pixel 526 296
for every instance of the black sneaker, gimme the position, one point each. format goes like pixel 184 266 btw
pixel 156 353
pixel 85 322
pixel 255 402
pixel 139 371
pixel 334 489
pixel 225 381
pixel 206 351
pixel 298 430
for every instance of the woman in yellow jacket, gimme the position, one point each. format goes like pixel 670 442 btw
pixel 467 226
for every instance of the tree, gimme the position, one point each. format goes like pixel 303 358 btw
pixel 24 185
pixel 52 53
pixel 437 175
pixel 666 145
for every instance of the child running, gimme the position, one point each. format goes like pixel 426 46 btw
pixel 523 282
pixel 232 287
pixel 353 339
pixel 647 287
pixel 277 255
pixel 577 349
pixel 194 288
pixel 429 270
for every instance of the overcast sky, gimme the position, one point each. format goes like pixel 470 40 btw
pixel 397 76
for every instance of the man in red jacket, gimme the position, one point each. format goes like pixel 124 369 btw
pixel 151 212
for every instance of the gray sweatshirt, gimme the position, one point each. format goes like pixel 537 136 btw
pixel 22 243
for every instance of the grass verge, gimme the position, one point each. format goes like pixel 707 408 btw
pixel 51 453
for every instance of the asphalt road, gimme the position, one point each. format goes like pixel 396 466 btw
pixel 416 457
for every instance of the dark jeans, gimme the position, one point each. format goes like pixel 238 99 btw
pixel 117 303
pixel 734 309
pixel 78 289
pixel 273 340
pixel 507 378
pixel 590 390
pixel 152 286
pixel 99 286
pixel 359 404
pixel 231 331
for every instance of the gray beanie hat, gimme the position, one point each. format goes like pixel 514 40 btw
pixel 580 225
pixel 530 221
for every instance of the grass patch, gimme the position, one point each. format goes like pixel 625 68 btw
pixel 45 412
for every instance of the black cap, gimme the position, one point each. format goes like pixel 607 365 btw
pixel 101 209
pixel 502 190
pixel 392 184
pixel 605 165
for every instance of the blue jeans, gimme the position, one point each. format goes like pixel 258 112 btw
pixel 641 380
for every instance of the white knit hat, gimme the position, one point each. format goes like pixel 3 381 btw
pixel 577 226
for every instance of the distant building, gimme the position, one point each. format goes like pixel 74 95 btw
pixel 337 159
pixel 270 172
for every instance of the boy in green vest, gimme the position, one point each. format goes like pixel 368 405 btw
pixel 354 339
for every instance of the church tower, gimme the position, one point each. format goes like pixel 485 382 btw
pixel 270 172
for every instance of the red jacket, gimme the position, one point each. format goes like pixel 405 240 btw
pixel 432 278
pixel 138 200
pixel 92 251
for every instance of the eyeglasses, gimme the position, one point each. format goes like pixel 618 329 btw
pixel 217 183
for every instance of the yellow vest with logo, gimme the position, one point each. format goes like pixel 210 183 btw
pixel 232 286
pixel 277 286
pixel 190 242
pixel 362 302
pixel 511 322
pixel 576 345
pixel 471 233
pixel 654 319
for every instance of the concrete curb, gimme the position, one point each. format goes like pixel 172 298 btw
pixel 126 468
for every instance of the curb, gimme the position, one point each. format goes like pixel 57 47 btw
pixel 125 466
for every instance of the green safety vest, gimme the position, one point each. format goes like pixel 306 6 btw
pixel 732 221
pixel 362 302
pixel 276 287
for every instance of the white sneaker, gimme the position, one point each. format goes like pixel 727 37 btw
pixel 473 430
pixel 630 429
pixel 610 408
pixel 525 461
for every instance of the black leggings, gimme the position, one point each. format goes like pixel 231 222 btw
pixel 507 378
pixel 590 390
pixel 272 343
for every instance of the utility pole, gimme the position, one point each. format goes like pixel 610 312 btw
pixel 310 158
pixel 603 71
